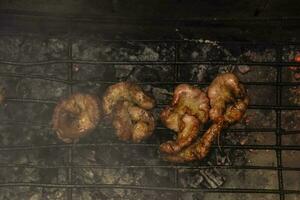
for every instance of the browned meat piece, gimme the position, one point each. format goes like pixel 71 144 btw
pixel 191 100
pixel 189 128
pixel 229 103
pixel 171 118
pixel 132 122
pixel 76 116
pixel 125 91
pixel 225 89
pixel 127 105
pixel 199 149
pixel 189 111
pixel 121 120
pixel 144 123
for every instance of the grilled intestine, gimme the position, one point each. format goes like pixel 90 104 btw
pixel 76 116
pixel 229 102
pixel 186 115
pixel 128 108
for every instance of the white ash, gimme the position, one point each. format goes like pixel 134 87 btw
pixel 123 52
pixel 24 48
pixel 194 54
pixel 55 46
pixel 36 197
pixel 123 71
pixel 200 40
pixel 85 195
pixel 160 172
pixel 146 54
pixel 55 194
pixel 268 55
pixel 225 69
pixel 107 49
pixel 199 72
pixel 133 58
pixel 86 53
pixel 142 73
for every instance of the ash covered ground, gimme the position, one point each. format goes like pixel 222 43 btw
pixel 29 123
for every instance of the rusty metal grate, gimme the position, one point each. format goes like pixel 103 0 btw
pixel 279 65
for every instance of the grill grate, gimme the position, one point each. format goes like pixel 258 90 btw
pixel 279 65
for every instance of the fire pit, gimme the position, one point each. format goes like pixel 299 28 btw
pixel 258 158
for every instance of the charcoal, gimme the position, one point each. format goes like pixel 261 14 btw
pixel 201 178
pixel 223 158
pixel 194 54
pixel 199 72
pixel 190 178
pixel 146 54
pixel 161 94
pixel 204 50
pixel 95 49
pixel 123 71
pixel 213 178
pixel 225 69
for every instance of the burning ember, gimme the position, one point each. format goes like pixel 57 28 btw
pixel 296 69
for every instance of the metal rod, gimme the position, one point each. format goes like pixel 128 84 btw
pixel 137 187
pixel 253 147
pixel 166 166
pixel 96 79
pixel 278 127
pixel 190 40
pixel 160 105
pixel 111 63
pixel 70 148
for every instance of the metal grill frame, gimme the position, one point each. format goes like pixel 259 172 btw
pixel 278 147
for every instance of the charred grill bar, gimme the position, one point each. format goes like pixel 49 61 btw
pixel 177 63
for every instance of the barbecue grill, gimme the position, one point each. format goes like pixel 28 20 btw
pixel 41 63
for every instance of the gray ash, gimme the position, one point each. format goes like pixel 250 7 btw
pixel 207 51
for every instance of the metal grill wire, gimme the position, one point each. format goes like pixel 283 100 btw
pixel 279 65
